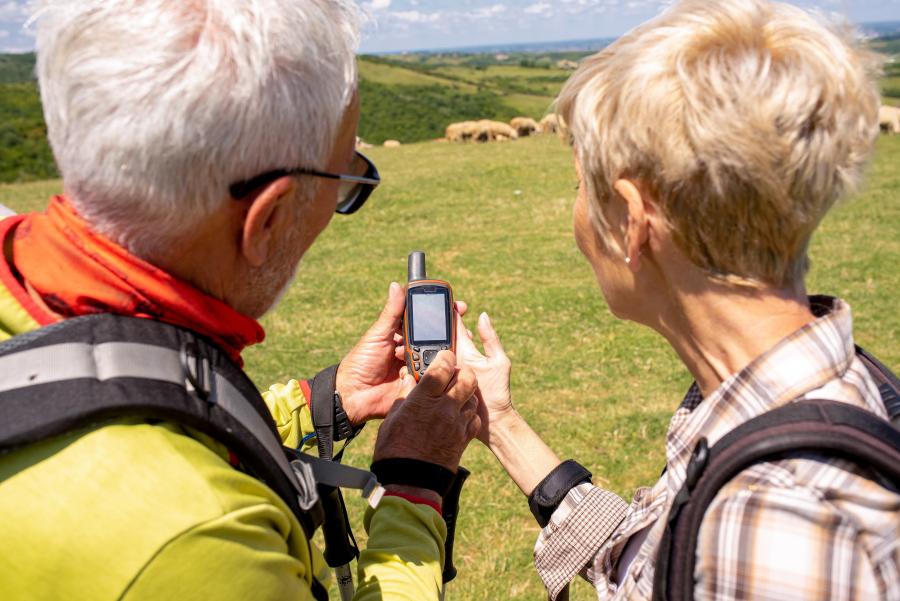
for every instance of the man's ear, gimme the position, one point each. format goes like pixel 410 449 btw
pixel 637 229
pixel 263 219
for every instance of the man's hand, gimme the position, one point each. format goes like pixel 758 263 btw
pixel 368 378
pixel 436 420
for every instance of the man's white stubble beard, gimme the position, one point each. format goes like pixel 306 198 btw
pixel 284 288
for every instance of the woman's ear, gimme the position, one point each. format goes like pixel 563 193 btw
pixel 263 219
pixel 637 228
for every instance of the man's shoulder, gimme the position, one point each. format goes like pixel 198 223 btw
pixel 105 502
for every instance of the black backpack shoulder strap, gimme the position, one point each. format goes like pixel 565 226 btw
pixel 90 370
pixel 888 384
pixel 820 426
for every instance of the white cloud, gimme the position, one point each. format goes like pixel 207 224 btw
pixel 3 34
pixel 379 4
pixel 415 16
pixel 11 11
pixel 488 11
pixel 538 8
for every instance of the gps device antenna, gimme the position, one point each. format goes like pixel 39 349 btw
pixel 416 266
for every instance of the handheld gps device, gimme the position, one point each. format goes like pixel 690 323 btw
pixel 429 322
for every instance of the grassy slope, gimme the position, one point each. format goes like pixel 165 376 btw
pixel 597 389
pixel 413 102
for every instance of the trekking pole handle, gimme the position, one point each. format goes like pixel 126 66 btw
pixel 344 577
pixel 450 510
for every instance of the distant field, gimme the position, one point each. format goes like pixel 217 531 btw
pixel 496 221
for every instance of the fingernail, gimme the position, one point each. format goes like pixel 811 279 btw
pixel 392 288
pixel 485 319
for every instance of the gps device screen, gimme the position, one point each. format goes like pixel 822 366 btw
pixel 429 318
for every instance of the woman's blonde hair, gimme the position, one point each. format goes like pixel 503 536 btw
pixel 747 118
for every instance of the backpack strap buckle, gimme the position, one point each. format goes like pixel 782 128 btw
pixel 198 377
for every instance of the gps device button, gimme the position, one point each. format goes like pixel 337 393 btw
pixel 428 357
pixel 415 356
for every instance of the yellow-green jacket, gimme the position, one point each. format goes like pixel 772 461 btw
pixel 138 511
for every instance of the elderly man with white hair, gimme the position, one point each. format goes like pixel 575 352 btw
pixel 203 147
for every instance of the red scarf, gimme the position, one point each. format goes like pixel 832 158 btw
pixel 78 272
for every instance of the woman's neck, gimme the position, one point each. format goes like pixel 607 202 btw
pixel 719 329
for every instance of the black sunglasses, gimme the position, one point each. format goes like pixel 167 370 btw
pixel 353 191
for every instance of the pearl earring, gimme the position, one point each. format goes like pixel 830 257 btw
pixel 628 260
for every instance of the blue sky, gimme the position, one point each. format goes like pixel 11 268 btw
pixel 398 25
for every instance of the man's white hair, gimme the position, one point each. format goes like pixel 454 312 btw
pixel 154 107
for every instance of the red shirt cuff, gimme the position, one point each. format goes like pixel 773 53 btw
pixel 416 500
pixel 306 389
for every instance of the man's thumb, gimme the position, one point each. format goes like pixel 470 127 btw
pixel 393 311
pixel 438 376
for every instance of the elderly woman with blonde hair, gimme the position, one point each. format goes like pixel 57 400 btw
pixel 710 143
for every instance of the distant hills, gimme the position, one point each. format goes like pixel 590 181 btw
pixel 17 68
pixel 589 45
pixel 882 28
pixel 409 97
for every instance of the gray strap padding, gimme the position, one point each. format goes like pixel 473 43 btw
pixel 74 360
pixel 107 361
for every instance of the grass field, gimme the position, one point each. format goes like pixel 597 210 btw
pixel 496 221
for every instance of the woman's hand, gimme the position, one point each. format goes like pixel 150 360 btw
pixel 492 369
pixel 518 448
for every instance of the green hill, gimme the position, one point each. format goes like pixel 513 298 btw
pixel 410 98
pixel 414 101
pixel 17 68
pixel 24 152
pixel 400 100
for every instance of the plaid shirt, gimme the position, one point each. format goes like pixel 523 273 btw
pixel 807 528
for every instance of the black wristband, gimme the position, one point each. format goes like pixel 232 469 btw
pixel 343 429
pixel 322 410
pixel 329 418
pixel 412 472
pixel 547 496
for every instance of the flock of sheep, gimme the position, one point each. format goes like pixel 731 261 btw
pixel 486 130
pixel 889 119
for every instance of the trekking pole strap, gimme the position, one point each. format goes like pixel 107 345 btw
pixel 322 408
